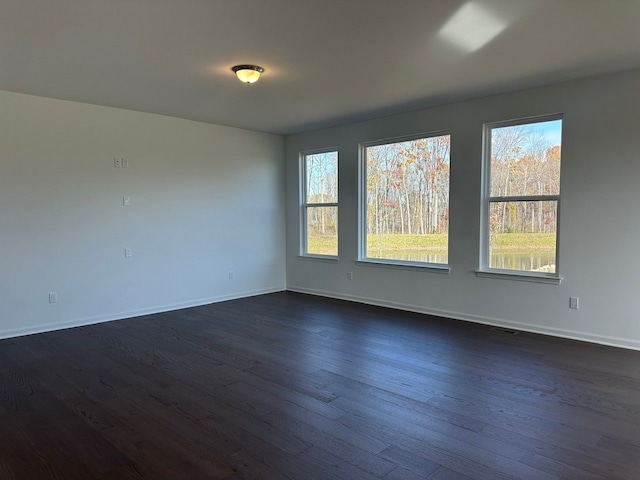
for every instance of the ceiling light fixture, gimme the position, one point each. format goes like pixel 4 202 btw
pixel 248 73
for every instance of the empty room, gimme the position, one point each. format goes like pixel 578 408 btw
pixel 319 239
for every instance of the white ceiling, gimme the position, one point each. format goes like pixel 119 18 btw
pixel 327 61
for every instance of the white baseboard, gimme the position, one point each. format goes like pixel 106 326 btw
pixel 525 327
pixel 556 332
pixel 49 327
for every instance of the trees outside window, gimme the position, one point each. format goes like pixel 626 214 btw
pixel 522 195
pixel 406 200
pixel 320 203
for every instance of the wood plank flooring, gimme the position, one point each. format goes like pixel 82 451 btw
pixel 290 386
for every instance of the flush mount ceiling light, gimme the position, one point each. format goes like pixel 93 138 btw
pixel 248 73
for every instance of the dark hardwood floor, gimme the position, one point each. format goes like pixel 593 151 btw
pixel 289 386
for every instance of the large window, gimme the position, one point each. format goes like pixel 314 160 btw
pixel 522 196
pixel 406 200
pixel 319 203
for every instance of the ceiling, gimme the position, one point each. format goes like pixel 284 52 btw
pixel 326 62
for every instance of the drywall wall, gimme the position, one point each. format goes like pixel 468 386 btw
pixel 599 227
pixel 206 200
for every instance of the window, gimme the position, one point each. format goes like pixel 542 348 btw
pixel 320 203
pixel 406 200
pixel 522 196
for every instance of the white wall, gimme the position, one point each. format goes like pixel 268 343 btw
pixel 599 226
pixel 205 200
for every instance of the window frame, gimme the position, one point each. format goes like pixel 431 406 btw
pixel 304 205
pixel 485 269
pixel 363 259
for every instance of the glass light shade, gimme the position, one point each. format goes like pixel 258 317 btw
pixel 248 73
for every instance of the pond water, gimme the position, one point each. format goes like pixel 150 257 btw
pixel 540 261
pixel 531 262
pixel 409 255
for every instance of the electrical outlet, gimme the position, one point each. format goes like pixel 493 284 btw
pixel 350 275
pixel 53 297
pixel 128 252
pixel 574 303
pixel 117 162
pixel 231 274
pixel 126 200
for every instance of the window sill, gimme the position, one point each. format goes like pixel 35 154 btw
pixel 519 276
pixel 320 258
pixel 430 267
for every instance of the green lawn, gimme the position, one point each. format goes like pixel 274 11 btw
pixel 514 242
pixel 524 242
pixel 397 241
